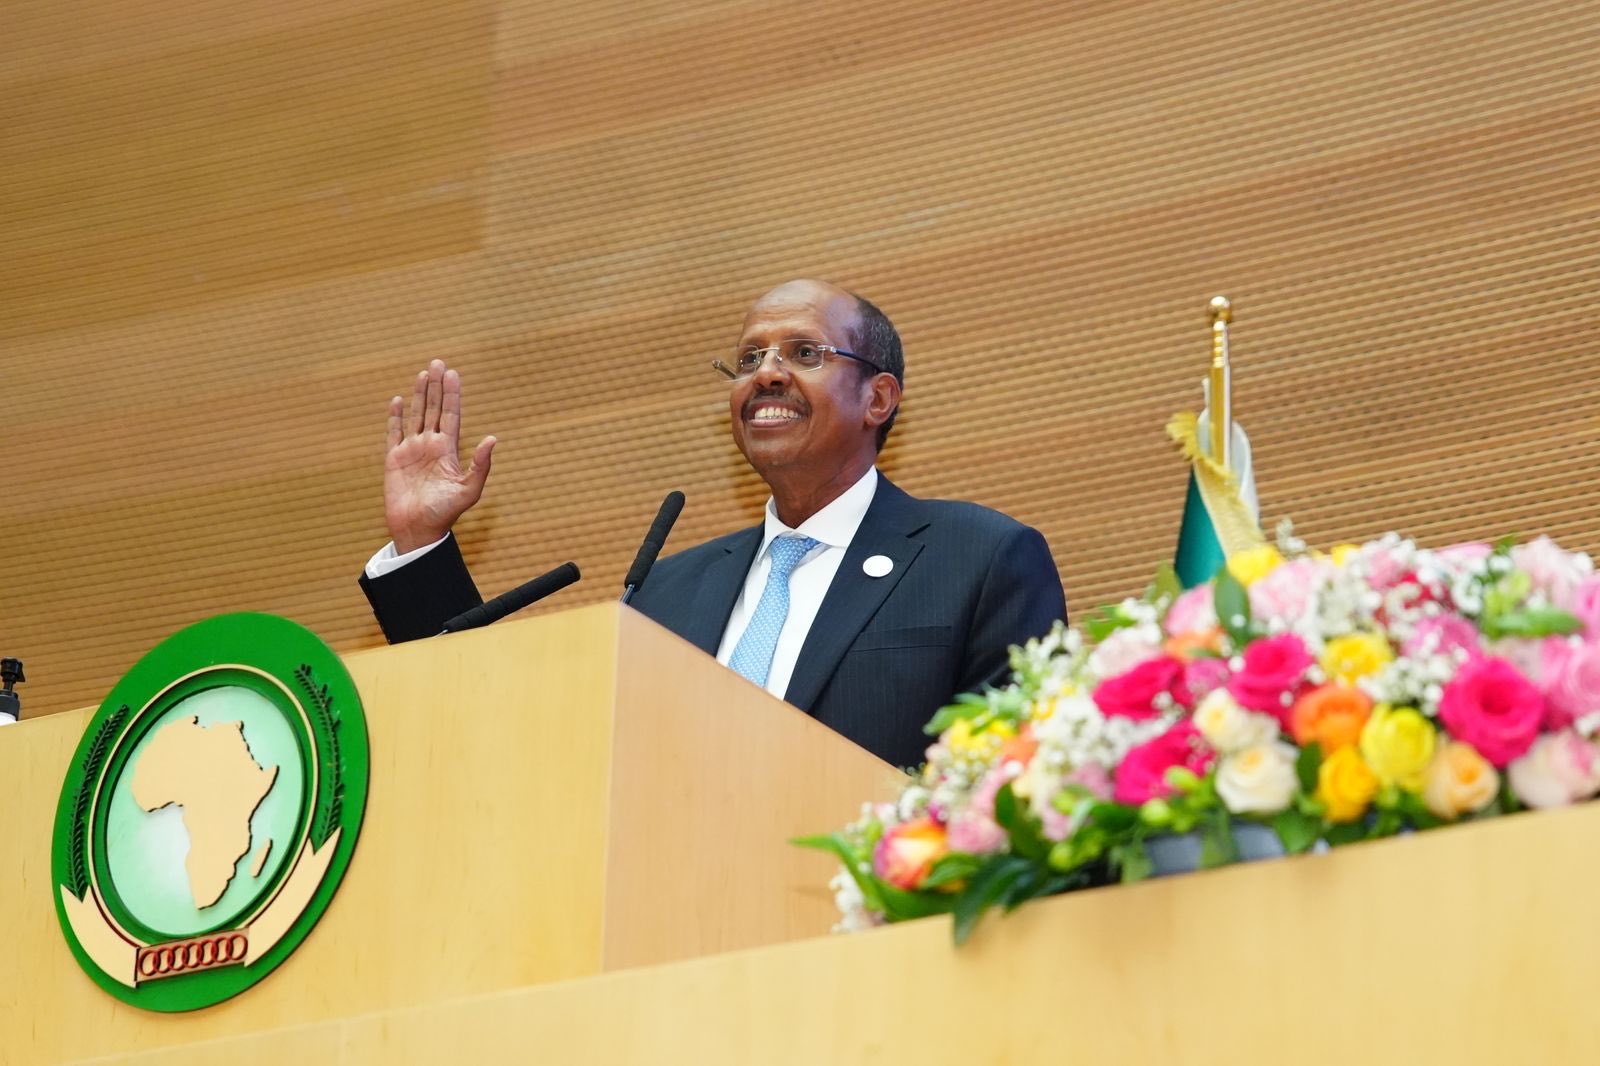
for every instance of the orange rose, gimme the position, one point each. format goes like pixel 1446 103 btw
pixel 1020 748
pixel 907 852
pixel 1331 715
pixel 1186 647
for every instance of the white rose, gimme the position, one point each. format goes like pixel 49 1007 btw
pixel 1259 779
pixel 1228 727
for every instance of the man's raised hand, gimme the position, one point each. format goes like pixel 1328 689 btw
pixel 424 488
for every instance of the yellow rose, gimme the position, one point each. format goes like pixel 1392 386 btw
pixel 1345 785
pixel 1253 564
pixel 1397 743
pixel 1459 781
pixel 962 741
pixel 1355 655
pixel 1343 552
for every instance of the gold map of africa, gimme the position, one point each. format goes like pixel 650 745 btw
pixel 209 772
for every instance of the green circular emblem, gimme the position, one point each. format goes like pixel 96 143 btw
pixel 210 812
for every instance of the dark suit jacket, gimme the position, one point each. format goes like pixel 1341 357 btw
pixel 883 654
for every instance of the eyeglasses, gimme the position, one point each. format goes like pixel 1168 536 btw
pixel 798 353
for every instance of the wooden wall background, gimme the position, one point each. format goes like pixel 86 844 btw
pixel 231 231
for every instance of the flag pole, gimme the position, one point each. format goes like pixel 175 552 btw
pixel 1220 310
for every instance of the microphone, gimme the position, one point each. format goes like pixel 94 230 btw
pixel 671 507
pixel 515 600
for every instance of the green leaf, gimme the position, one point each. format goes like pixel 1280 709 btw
pixel 1306 765
pixel 1217 846
pixel 1386 824
pixel 1338 836
pixel 1114 818
pixel 1233 607
pixel 1504 545
pixel 1297 831
pixel 985 889
pixel 900 905
pixel 945 717
pixel 858 866
pixel 952 868
pixel 1165 585
pixel 1531 622
pixel 1132 860
pixel 1019 824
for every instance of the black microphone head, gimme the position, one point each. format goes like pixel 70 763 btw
pixel 671 507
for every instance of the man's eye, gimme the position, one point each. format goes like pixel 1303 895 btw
pixel 808 354
pixel 749 360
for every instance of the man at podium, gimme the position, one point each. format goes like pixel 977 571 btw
pixel 856 602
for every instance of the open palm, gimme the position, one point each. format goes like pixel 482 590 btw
pixel 425 488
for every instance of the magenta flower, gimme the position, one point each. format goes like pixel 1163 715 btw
pixel 1491 706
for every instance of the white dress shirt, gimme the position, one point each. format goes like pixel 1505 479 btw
pixel 833 527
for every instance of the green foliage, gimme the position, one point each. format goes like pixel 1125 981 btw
pixel 1132 860
pixel 988 887
pixel 1217 846
pixel 1020 825
pixel 1297 830
pixel 1530 622
pixel 1165 586
pixel 1233 608
pixel 952 869
pixel 1306 765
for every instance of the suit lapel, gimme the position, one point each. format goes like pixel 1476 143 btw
pixel 718 588
pixel 854 597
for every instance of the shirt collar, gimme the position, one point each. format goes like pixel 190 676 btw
pixel 836 524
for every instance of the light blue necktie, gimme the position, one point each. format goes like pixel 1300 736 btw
pixel 752 656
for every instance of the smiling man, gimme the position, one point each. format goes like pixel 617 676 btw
pixel 862 605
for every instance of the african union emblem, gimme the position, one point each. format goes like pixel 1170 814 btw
pixel 210 812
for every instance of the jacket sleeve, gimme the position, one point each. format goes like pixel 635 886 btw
pixel 420 597
pixel 1021 598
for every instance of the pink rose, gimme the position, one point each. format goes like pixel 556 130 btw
pixel 988 787
pixel 1287 593
pixel 1274 672
pixel 1123 649
pixel 1142 775
pixel 1444 634
pixel 1385 567
pixel 1555 573
pixel 1193 612
pixel 1458 558
pixel 1494 708
pixel 1092 778
pixel 1569 675
pixel 1138 694
pixel 1560 768
pixel 1201 677
pixel 975 834
pixel 1584 603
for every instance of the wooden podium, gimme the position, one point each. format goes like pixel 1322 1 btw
pixel 550 798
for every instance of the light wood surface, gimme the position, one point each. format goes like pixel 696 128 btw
pixel 232 234
pixel 1472 945
pixel 549 798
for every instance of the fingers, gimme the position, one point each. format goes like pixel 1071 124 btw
pixel 450 414
pixel 435 401
pixel 419 400
pixel 478 472
pixel 397 410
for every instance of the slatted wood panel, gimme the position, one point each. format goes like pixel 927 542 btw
pixel 232 233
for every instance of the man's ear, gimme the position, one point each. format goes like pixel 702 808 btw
pixel 883 399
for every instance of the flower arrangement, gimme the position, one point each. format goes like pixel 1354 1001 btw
pixel 1321 699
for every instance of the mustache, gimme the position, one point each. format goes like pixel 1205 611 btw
pixel 788 399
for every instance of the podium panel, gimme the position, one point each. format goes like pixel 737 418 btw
pixel 549 798
pixel 1462 946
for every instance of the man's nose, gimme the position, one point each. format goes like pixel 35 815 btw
pixel 773 370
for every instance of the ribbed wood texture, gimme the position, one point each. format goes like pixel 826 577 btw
pixel 233 232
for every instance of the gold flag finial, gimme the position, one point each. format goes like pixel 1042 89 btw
pixel 1220 310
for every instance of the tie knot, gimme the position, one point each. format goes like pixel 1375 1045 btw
pixel 788 550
